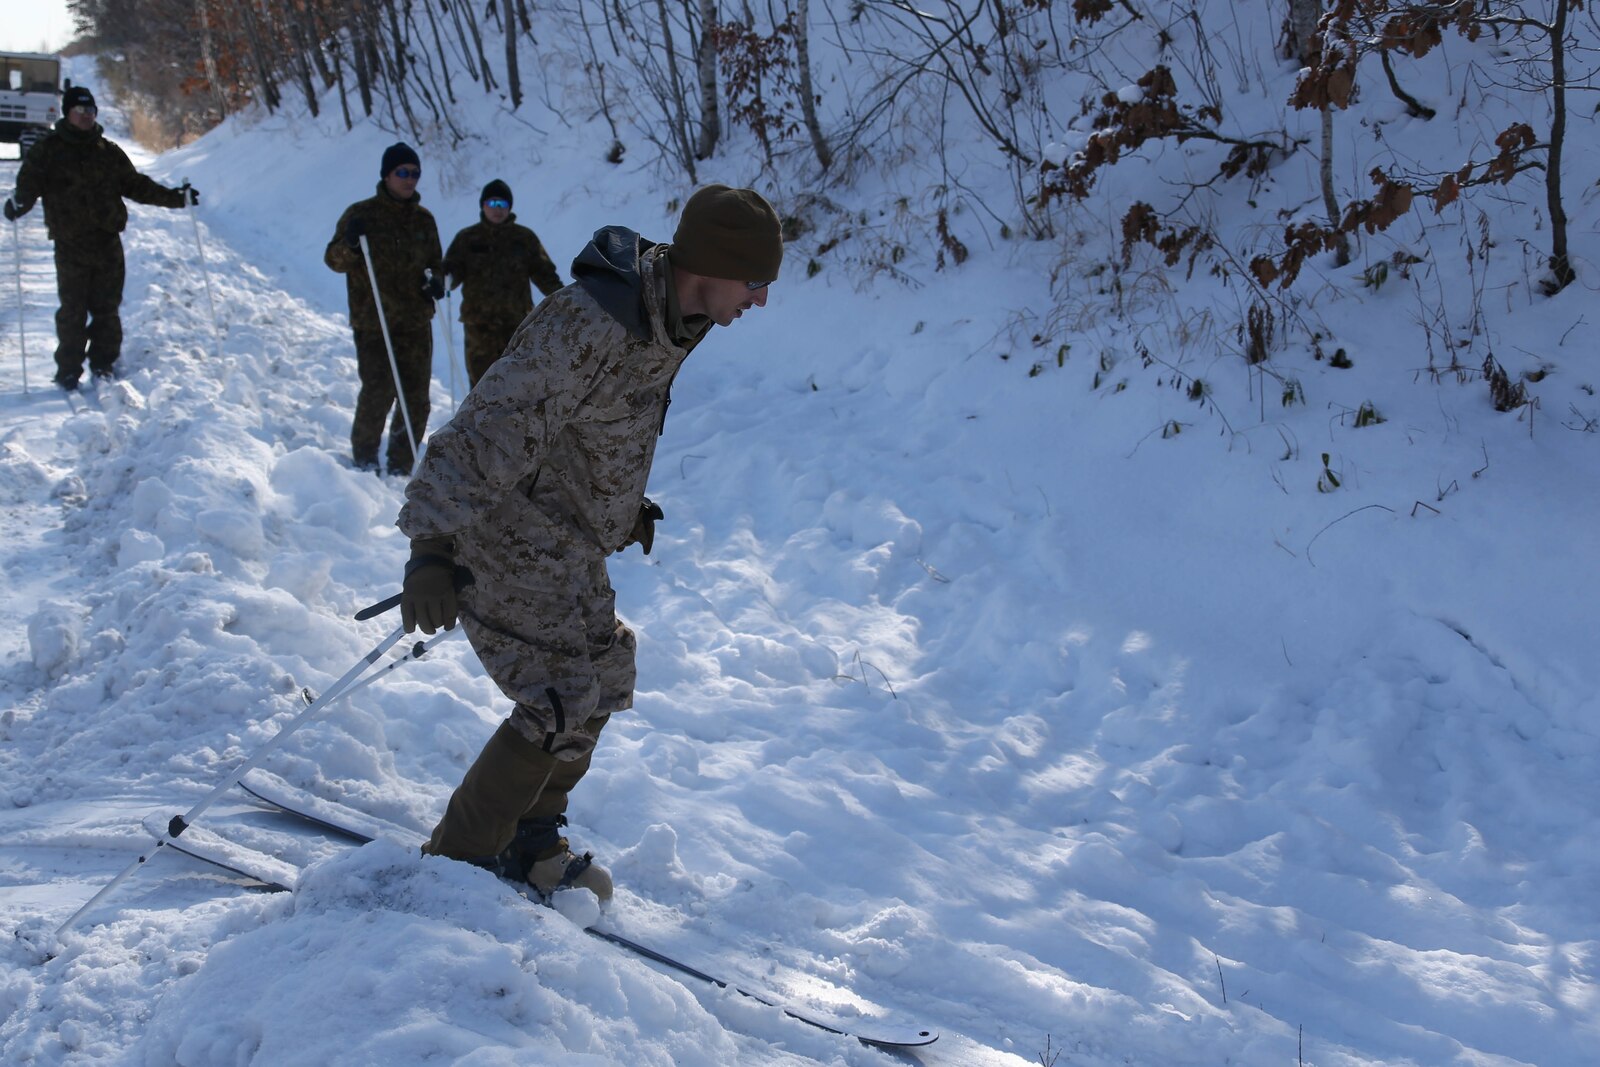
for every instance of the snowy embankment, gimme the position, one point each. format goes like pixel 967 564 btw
pixel 962 688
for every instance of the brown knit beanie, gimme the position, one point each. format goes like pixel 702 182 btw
pixel 729 233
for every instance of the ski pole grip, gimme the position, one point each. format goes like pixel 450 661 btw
pixel 372 611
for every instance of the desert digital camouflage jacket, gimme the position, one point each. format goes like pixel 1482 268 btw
pixel 405 245
pixel 493 264
pixel 83 178
pixel 542 471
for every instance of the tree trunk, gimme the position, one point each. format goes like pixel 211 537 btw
pixel 396 69
pixel 597 68
pixel 1303 16
pixel 489 84
pixel 710 112
pixel 808 99
pixel 264 77
pixel 513 80
pixel 444 59
pixel 461 39
pixel 358 45
pixel 397 54
pixel 338 72
pixel 313 22
pixel 1341 252
pixel 302 64
pixel 208 55
pixel 1560 263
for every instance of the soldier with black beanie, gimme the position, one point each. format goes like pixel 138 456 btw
pixel 404 244
pixel 83 177
pixel 493 261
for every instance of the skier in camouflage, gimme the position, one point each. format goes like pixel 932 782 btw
pixel 83 177
pixel 536 480
pixel 493 261
pixel 404 244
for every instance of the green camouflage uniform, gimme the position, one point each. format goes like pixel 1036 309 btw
pixel 535 481
pixel 493 263
pixel 404 243
pixel 83 177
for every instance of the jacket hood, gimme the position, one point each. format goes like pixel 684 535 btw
pixel 608 269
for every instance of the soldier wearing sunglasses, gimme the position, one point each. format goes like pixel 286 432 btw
pixel 404 244
pixel 493 261
pixel 538 478
pixel 83 178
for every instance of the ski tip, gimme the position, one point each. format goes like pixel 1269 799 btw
pixel 909 1039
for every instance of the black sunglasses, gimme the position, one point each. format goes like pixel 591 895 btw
pixel 756 287
pixel 407 173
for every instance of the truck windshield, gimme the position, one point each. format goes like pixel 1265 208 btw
pixel 30 75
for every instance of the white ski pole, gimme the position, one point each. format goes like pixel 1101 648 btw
pixel 449 347
pixel 216 324
pixel 394 364
pixel 22 328
pixel 342 688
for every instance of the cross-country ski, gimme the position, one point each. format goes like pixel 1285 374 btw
pixel 361 828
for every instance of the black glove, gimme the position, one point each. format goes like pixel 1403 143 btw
pixel 14 212
pixel 434 286
pixel 644 527
pixel 428 595
pixel 354 230
pixel 191 195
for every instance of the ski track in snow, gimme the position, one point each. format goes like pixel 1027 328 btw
pixel 1072 737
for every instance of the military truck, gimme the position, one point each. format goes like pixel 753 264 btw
pixel 30 96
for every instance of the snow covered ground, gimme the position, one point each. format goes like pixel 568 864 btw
pixel 968 698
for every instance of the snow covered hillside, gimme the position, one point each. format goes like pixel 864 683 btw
pixel 1021 698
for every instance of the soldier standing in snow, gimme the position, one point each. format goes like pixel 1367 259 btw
pixel 493 261
pixel 404 244
pixel 536 480
pixel 83 177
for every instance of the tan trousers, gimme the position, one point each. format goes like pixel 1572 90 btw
pixel 512 779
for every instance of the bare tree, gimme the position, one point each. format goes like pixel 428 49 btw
pixel 808 96
pixel 675 101
pixel 209 58
pixel 1415 29
pixel 1306 40
pixel 706 62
